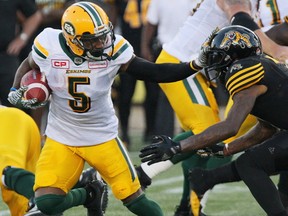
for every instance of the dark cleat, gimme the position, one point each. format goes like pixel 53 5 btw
pixel 96 198
pixel 198 179
pixel 181 210
pixel 88 175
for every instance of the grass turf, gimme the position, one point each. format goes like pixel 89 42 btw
pixel 232 199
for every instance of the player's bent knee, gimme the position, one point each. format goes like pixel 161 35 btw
pixel 123 191
pixel 244 162
pixel 49 204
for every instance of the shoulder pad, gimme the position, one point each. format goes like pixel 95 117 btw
pixel 243 73
pixel 45 41
pixel 123 51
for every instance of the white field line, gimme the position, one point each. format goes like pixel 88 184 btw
pixel 167 181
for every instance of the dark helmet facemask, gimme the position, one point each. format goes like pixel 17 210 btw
pixel 227 45
pixel 218 64
pixel 91 42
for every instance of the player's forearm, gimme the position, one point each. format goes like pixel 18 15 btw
pixel 211 136
pixel 267 44
pixel 160 73
pixel 259 133
pixel 31 24
pixel 22 69
pixel 279 33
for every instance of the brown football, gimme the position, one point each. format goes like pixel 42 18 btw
pixel 37 85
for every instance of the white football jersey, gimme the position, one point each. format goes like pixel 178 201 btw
pixel 272 12
pixel 197 27
pixel 81 111
pixel 159 13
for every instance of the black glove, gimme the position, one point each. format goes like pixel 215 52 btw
pixel 215 150
pixel 162 148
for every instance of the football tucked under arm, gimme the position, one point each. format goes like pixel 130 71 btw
pixel 33 93
pixel 37 86
pixel 37 90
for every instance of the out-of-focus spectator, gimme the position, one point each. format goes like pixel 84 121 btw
pixel 51 11
pixel 129 16
pixel 159 23
pixel 13 39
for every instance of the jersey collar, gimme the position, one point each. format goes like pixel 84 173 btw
pixel 76 59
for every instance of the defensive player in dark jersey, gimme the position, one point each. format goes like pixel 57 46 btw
pixel 203 180
pixel 258 85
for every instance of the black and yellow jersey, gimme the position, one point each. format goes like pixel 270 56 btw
pixel 262 70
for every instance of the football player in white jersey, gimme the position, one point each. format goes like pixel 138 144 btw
pixel 271 13
pixel 80 63
pixel 195 91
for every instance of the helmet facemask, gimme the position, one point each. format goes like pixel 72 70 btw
pixel 218 62
pixel 96 46
pixel 228 45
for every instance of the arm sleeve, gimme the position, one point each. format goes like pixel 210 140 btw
pixel 160 73
pixel 244 19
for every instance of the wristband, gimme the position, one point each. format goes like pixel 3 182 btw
pixel 23 36
pixel 13 89
pixel 46 10
pixel 176 149
pixel 226 150
pixel 244 19
pixel 194 66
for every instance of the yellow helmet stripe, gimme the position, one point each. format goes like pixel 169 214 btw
pixel 40 50
pixel 92 12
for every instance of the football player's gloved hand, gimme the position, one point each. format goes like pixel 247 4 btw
pixel 202 59
pixel 215 150
pixel 162 148
pixel 16 98
pixel 33 104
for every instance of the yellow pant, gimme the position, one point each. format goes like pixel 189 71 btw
pixel 60 166
pixel 20 145
pixel 192 99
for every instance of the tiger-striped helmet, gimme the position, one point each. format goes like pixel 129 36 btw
pixel 229 44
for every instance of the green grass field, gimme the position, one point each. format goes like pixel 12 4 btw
pixel 232 199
